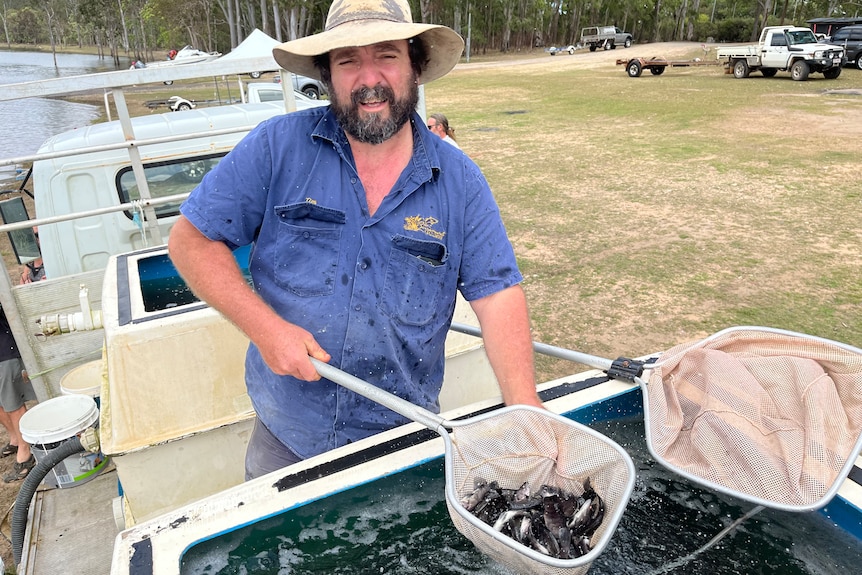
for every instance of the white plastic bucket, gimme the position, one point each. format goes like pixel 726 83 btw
pixel 85 379
pixel 48 424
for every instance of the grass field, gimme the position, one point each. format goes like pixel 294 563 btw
pixel 652 211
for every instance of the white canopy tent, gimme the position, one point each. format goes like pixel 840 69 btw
pixel 259 45
pixel 256 45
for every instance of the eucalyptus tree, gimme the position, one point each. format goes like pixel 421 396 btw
pixel 4 16
pixel 304 17
pixel 51 26
pixel 193 22
pixel 103 18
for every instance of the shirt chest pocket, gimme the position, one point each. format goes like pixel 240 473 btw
pixel 309 244
pixel 415 278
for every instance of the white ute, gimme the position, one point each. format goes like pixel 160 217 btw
pixel 785 48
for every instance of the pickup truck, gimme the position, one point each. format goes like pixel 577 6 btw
pixel 785 48
pixel 312 88
pixel 256 92
pixel 606 37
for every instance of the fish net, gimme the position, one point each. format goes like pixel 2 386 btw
pixel 519 444
pixel 769 416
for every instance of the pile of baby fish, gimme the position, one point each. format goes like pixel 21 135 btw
pixel 552 521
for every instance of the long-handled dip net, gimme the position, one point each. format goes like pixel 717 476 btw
pixel 766 415
pixel 535 491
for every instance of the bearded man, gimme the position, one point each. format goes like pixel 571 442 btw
pixel 364 226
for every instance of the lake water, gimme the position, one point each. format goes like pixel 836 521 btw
pixel 26 124
pixel 400 525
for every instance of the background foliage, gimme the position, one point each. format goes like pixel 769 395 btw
pixel 146 29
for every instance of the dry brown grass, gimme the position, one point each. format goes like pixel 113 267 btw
pixel 652 211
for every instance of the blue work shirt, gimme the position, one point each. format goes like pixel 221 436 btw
pixel 377 292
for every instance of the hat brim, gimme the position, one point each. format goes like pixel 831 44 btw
pixel 443 45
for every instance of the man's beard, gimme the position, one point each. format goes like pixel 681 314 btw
pixel 373 129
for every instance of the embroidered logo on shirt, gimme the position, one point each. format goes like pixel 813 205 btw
pixel 424 225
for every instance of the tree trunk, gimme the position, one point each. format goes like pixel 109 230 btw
pixel 251 23
pixel 761 19
pixel 50 18
pixel 227 10
pixel 144 43
pixel 507 28
pixel 292 23
pixel 573 27
pixel 123 22
pixel 683 19
pixel 554 22
pixel 305 22
pixel 276 18
pixel 264 18
pixel 696 10
pixel 6 27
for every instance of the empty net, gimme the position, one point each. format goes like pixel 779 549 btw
pixel 770 416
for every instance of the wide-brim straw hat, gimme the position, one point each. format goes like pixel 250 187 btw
pixel 365 22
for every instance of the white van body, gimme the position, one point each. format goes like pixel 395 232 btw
pixel 98 179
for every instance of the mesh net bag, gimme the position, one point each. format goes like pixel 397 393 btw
pixel 519 444
pixel 770 416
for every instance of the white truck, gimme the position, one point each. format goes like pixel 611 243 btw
pixel 257 92
pixel 605 37
pixel 106 177
pixel 785 48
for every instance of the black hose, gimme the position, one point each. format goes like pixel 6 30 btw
pixel 22 503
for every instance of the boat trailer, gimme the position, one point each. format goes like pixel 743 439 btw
pixel 657 65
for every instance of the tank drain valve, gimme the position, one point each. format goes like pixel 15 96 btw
pixel 87 319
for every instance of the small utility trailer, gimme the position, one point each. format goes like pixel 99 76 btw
pixel 656 65
pixel 570 49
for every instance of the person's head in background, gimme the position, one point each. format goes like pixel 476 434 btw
pixel 439 124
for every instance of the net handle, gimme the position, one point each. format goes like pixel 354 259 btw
pixel 620 368
pixel 401 406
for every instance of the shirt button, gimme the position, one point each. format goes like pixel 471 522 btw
pixel 357 307
pixel 363 266
pixel 306 235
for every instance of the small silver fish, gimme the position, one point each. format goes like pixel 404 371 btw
pixel 565 538
pixel 597 515
pixel 581 516
pixel 523 529
pixel 582 545
pixel 481 490
pixel 506 517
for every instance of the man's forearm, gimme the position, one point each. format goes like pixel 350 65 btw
pixel 505 325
